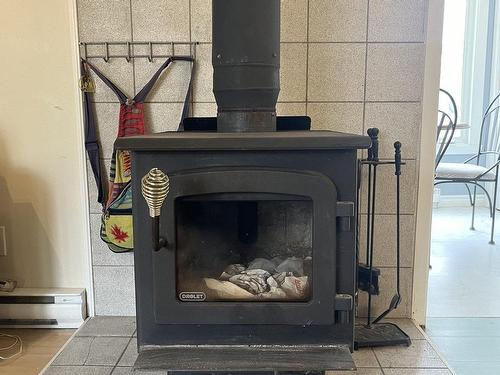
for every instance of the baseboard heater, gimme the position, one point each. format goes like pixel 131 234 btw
pixel 43 308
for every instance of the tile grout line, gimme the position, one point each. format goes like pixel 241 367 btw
pixel 132 38
pixel 192 51
pixel 342 42
pixel 88 352
pixel 307 58
pixel 123 352
pixel 280 102
pixel 366 64
pixel 378 361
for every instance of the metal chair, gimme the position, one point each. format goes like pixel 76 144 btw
pixel 486 166
pixel 447 122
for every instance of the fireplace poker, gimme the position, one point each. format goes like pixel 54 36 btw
pixel 396 299
pixel 372 183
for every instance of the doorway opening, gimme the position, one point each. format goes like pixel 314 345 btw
pixel 463 309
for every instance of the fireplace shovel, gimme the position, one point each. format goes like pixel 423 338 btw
pixel 374 333
pixel 397 297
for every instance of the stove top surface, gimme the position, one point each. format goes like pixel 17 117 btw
pixel 279 140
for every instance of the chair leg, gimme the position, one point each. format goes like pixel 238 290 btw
pixel 492 242
pixel 469 192
pixel 473 207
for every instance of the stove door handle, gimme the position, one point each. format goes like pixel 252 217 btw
pixel 155 187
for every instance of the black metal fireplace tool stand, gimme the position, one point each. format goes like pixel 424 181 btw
pixel 374 333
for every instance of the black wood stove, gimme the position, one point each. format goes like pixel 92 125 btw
pixel 250 262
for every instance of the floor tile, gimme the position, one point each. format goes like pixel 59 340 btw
pixel 130 371
pixel 469 348
pixel 475 368
pixel 78 370
pixel 464 278
pixel 75 353
pixel 360 371
pixel 420 371
pixel 108 326
pixel 106 351
pixel 92 351
pixel 365 358
pixel 463 327
pixel 419 355
pixel 130 355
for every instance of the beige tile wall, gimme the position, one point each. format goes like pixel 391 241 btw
pixel 349 64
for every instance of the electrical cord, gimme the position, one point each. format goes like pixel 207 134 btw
pixel 17 340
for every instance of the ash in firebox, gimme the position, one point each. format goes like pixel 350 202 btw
pixel 263 279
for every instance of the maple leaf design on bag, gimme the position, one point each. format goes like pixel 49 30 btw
pixel 119 235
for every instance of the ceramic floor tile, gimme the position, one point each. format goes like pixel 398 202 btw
pixel 75 353
pixel 78 370
pixel 464 278
pixel 108 326
pixel 365 358
pixel 469 348
pixel 463 327
pixel 413 371
pixel 475 368
pixel 130 355
pixel 106 351
pixel 419 355
pixel 130 371
pixel 360 371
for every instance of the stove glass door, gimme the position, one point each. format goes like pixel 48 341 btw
pixel 247 246
pixel 244 247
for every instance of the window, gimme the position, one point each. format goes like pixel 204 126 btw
pixel 470 65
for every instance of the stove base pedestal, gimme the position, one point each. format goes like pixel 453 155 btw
pixel 380 334
pixel 246 359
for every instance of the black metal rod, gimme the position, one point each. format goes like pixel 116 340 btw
pixel 130 55
pixel 396 299
pixel 372 184
pixel 397 159
pixel 368 217
pixel 133 56
pixel 371 242
pixel 124 43
pixel 158 242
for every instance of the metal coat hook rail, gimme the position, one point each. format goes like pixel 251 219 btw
pixel 130 54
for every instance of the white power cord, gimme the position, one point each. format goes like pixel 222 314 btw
pixel 17 340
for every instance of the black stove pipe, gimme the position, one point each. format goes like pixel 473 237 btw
pixel 246 61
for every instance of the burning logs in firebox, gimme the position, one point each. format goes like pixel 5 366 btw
pixel 275 279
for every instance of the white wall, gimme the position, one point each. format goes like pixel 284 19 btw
pixel 42 178
pixel 427 152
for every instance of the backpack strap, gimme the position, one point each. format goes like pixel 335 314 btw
pixel 141 95
pixel 121 96
pixel 91 144
pixel 185 109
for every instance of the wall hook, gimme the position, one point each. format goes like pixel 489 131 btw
pixel 106 52
pixel 128 57
pixel 84 51
pixel 150 56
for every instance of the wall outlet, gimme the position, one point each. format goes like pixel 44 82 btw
pixel 3 242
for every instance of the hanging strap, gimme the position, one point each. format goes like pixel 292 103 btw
pixel 185 109
pixel 121 96
pixel 91 144
pixel 141 95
